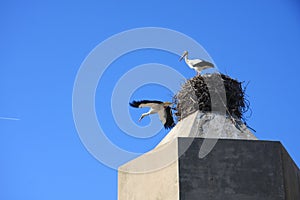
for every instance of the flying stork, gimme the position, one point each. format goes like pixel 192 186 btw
pixel 196 64
pixel 162 108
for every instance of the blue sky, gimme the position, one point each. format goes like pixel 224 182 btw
pixel 43 45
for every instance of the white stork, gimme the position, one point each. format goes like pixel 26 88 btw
pixel 162 108
pixel 196 64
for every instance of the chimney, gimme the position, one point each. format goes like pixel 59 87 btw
pixel 211 154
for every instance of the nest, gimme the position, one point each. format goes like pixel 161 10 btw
pixel 211 93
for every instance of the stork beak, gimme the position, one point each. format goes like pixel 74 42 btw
pixel 182 56
pixel 180 59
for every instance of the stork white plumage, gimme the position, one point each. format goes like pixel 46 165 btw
pixel 196 64
pixel 161 108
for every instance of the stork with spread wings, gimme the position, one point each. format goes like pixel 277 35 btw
pixel 163 110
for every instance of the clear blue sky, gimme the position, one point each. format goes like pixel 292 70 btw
pixel 43 44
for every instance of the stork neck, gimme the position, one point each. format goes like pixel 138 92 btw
pixel 186 58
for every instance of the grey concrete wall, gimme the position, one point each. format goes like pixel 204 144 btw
pixel 290 174
pixel 238 169
pixel 233 170
pixel 152 176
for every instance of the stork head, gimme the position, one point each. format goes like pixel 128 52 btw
pixel 167 103
pixel 185 53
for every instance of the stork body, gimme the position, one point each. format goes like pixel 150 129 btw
pixel 197 64
pixel 161 108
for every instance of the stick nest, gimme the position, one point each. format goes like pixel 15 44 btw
pixel 196 93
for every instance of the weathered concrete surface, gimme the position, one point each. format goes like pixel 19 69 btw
pixel 233 170
pixel 237 166
pixel 153 175
pixel 209 125
pixel 238 169
pixel 290 172
pixel 158 185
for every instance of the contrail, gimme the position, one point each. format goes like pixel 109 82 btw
pixel 9 118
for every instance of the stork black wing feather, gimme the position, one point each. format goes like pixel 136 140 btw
pixel 169 121
pixel 136 104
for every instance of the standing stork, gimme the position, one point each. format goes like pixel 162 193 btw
pixel 196 64
pixel 162 108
